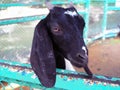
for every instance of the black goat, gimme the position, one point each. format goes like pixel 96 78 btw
pixel 58 36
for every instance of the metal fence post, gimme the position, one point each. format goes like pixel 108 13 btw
pixel 104 24
pixel 87 8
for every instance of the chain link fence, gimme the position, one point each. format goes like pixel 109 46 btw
pixel 15 41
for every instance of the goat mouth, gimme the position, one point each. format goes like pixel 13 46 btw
pixel 78 62
pixel 81 65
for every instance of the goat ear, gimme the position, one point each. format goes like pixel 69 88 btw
pixel 80 23
pixel 42 57
pixel 71 4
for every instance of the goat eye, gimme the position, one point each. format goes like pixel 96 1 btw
pixel 56 29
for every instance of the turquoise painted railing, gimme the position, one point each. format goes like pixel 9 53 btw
pixel 22 74
pixel 106 33
pixel 106 9
pixel 20 19
pixel 43 2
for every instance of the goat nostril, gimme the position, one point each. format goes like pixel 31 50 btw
pixel 82 58
pixel 79 55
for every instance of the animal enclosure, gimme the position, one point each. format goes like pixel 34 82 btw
pixel 16 33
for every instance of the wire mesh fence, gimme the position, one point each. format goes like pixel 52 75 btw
pixel 16 41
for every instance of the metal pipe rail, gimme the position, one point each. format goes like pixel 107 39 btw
pixel 55 2
pixel 106 9
pixel 20 19
pixel 22 74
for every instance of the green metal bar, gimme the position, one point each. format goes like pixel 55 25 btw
pixel 32 18
pixel 82 12
pixel 106 9
pixel 20 4
pixel 104 24
pixel 109 1
pixel 113 8
pixel 13 63
pixel 29 4
pixel 87 7
pixel 24 19
pixel 65 79
pixel 41 3
pixel 100 36
pixel 20 19
pixel 67 1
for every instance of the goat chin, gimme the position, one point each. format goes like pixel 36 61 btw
pixel 69 65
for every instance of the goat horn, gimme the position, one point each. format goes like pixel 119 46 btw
pixel 49 5
pixel 71 4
